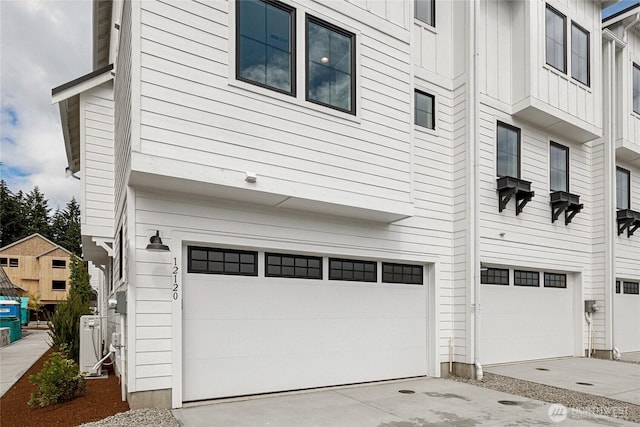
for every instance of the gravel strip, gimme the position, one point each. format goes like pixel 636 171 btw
pixel 138 417
pixel 583 402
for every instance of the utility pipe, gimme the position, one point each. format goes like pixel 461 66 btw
pixel 450 355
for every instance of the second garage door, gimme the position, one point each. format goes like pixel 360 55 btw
pixel 246 333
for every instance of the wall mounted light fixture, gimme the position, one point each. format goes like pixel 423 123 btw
pixel 155 244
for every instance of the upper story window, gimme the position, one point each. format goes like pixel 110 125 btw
pixel 330 65
pixel 555 39
pixel 58 263
pixel 58 285
pixel 424 110
pixel 265 44
pixel 13 262
pixel 559 167
pixel 623 189
pixel 3 262
pixel 425 11
pixel 579 54
pixel 508 162
pixel 636 88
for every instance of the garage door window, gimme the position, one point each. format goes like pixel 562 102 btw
pixel 552 280
pixel 494 276
pixel 526 278
pixel 352 270
pixel 293 266
pixel 632 288
pixel 223 261
pixel 401 273
pixel 617 286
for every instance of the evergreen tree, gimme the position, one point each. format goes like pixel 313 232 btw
pixel 37 213
pixel 65 228
pixel 10 224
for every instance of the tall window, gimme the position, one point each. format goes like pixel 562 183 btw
pixel 559 167
pixel 579 54
pixel 555 39
pixel 425 11
pixel 330 65
pixel 265 44
pixel 424 113
pixel 636 88
pixel 508 151
pixel 623 187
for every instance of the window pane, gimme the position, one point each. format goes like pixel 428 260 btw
pixel 222 261
pixel 424 11
pixel 293 266
pixel 264 45
pixel 636 89
pixel 508 152
pixel 424 110
pixel 622 189
pixel 559 174
pixel 555 39
pixel 579 54
pixel 329 57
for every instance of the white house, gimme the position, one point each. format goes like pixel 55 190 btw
pixel 352 191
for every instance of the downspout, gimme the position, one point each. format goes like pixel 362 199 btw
pixel 633 23
pixel 474 90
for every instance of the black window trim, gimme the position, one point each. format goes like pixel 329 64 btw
pixel 294 256
pixel 403 282
pixel 433 108
pixel 618 286
pixel 292 38
pixel 566 149
pixel 433 13
pixel 518 131
pixel 564 32
pixel 352 37
pixel 14 262
pixel 375 270
pixel 61 263
pixel 554 274
pixel 630 288
pixel 515 279
pixel 486 270
pixel 581 28
pixel 637 67
pixel 628 173
pixel 224 250
pixel 53 282
pixel 4 261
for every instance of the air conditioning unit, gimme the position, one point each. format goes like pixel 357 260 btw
pixel 90 345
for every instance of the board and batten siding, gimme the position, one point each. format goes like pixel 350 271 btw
pixel 97 160
pixel 195 113
pixel 122 98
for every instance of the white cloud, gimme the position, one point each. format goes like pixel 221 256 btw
pixel 45 43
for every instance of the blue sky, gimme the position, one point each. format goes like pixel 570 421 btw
pixel 44 43
pixel 618 7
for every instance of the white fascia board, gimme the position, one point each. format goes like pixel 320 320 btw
pixel 81 87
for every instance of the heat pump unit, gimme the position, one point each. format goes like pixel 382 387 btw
pixel 90 345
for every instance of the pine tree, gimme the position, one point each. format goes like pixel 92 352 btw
pixel 65 228
pixel 37 213
pixel 12 226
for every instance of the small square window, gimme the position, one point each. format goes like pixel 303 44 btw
pixel 58 263
pixel 330 66
pixel 4 262
pixel 526 278
pixel 13 262
pixel 424 111
pixel 425 11
pixel 59 285
pixel 494 276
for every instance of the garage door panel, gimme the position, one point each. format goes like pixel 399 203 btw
pixel 520 323
pixel 626 322
pixel 247 335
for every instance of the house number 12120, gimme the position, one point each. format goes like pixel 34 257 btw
pixel 175 280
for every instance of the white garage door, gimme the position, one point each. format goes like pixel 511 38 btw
pixel 626 316
pixel 255 334
pixel 527 322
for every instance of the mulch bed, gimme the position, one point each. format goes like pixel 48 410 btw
pixel 101 399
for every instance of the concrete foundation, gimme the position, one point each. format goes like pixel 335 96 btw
pixel 603 354
pixel 463 370
pixel 150 399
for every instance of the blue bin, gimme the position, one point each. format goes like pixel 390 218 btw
pixel 10 309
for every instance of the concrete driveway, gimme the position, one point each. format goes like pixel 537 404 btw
pixel 434 402
pixel 607 378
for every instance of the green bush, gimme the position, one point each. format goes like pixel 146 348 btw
pixel 58 381
pixel 65 320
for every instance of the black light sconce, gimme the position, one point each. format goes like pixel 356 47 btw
pixel 156 245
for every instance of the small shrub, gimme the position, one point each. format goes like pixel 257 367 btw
pixel 58 381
